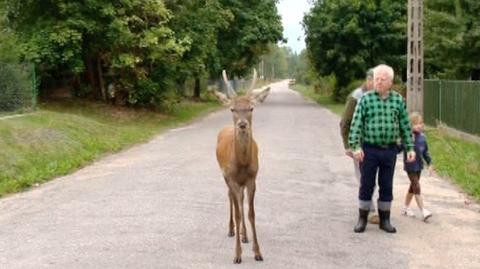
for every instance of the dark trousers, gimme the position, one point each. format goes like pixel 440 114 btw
pixel 379 160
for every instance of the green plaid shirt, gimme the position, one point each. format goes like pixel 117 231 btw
pixel 380 121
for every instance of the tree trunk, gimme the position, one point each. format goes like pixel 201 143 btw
pixel 100 79
pixel 196 89
pixel 90 75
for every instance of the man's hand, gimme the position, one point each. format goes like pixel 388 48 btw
pixel 358 155
pixel 410 156
pixel 349 153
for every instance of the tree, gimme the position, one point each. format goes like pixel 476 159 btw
pixel 276 62
pixel 139 48
pixel 347 37
pixel 255 25
pixel 123 39
pixel 198 22
pixel 452 38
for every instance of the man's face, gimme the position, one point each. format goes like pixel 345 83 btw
pixel 383 82
pixel 369 84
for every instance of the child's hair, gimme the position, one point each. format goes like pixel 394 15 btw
pixel 416 118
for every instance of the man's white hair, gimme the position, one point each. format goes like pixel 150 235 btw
pixel 384 68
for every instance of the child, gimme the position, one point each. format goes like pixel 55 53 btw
pixel 414 169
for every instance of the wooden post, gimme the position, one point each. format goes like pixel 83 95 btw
pixel 415 56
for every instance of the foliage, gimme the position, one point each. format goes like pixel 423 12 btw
pixel 255 25
pixel 119 41
pixel 303 70
pixel 452 38
pixel 347 37
pixel 275 62
pixel 140 48
pixel 199 22
pixel 9 51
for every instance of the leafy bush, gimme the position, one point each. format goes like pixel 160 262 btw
pixel 344 92
pixel 325 85
pixel 152 94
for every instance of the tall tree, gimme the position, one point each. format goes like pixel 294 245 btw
pixel 74 38
pixel 346 37
pixel 452 38
pixel 276 62
pixel 255 25
pixel 198 22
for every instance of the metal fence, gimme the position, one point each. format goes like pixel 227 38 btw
pixel 18 88
pixel 454 103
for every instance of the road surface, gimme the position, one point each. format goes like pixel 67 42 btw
pixel 163 204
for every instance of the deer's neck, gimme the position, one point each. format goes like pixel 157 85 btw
pixel 243 148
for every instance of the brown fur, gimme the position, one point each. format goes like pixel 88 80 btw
pixel 237 156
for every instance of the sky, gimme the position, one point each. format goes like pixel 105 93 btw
pixel 292 12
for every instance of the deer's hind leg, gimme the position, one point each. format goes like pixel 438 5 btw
pixel 251 187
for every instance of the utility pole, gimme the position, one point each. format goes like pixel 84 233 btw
pixel 415 56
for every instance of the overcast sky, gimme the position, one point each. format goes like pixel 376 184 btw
pixel 292 14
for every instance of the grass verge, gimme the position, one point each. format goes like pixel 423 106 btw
pixel 61 137
pixel 456 159
pixel 453 158
pixel 323 100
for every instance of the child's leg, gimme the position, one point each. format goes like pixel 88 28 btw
pixel 419 200
pixel 408 199
pixel 415 188
pixel 411 189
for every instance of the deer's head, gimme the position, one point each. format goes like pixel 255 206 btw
pixel 242 106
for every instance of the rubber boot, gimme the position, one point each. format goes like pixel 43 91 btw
pixel 385 222
pixel 362 221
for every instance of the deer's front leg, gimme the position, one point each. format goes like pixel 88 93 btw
pixel 243 231
pixel 251 216
pixel 238 247
pixel 231 225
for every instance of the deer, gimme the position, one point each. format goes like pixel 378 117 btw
pixel 237 156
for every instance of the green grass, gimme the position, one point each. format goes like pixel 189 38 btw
pixel 323 100
pixel 61 137
pixel 455 159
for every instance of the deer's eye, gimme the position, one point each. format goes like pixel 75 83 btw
pixel 251 109
pixel 232 109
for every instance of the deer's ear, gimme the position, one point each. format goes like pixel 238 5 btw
pixel 222 98
pixel 259 95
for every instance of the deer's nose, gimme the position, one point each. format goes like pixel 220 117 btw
pixel 242 125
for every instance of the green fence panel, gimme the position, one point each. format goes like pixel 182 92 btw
pixel 454 103
pixel 469 106
pixel 431 99
pixel 17 88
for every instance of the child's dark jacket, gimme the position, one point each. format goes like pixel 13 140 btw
pixel 421 153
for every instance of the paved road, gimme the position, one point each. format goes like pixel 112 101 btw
pixel 163 205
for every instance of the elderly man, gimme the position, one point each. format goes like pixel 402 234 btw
pixel 380 119
pixel 345 123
